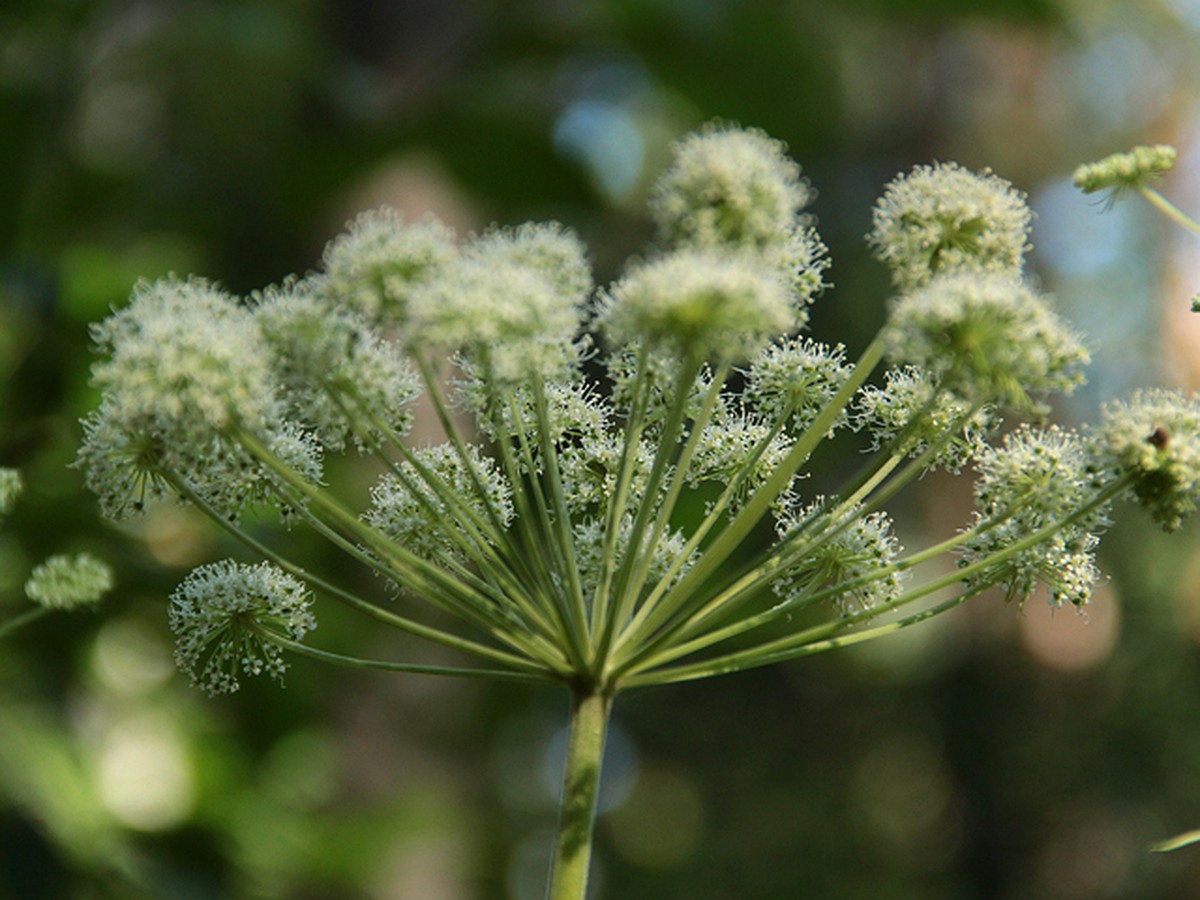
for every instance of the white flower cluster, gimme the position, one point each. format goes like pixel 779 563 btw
pixel 227 618
pixel 604 518
pixel 1035 479
pixel 909 395
pixel 1126 171
pixel 944 218
pixel 850 557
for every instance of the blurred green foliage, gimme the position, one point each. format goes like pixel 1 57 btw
pixel 231 138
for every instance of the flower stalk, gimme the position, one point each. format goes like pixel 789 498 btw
pixel 586 735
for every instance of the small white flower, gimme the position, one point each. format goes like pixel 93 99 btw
pixel 335 375
pixel 227 619
pixel 796 378
pixel 511 304
pixel 411 513
pixel 1126 171
pixel 858 556
pixel 888 413
pixel 729 187
pixel 1035 478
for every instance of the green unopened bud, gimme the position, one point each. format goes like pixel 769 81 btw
pixel 1126 171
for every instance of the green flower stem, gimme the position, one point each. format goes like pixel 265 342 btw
pixel 562 516
pixel 581 784
pixel 1168 209
pixel 422 576
pixel 1175 843
pixel 354 602
pixel 619 499
pixel 627 586
pixel 711 519
pixel 749 516
pixel 675 488
pixel 541 565
pixel 482 548
pixel 794 645
pixel 452 432
pixel 692 673
pixel 554 525
pixel 22 619
pixel 752 582
pixel 354 662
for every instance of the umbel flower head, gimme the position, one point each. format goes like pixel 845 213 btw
pixel 227 618
pixel 604 520
pixel 1036 479
pixel 987 337
pixel 944 218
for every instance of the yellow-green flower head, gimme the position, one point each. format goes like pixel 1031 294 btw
pixel 68 582
pixel 512 303
pixel 1126 171
pixel 10 489
pixel 1154 437
pixel 987 337
pixel 944 218
pixel 333 372
pixel 729 187
pixel 374 267
pixel 699 304
pixel 228 617
pixel 1037 477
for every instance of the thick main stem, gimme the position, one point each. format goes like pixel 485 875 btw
pixel 581 786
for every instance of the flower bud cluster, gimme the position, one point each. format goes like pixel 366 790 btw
pixel 1126 171
pixel 909 412
pixel 412 506
pixel 988 338
pixel 944 218
pixel 743 263
pixel 376 265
